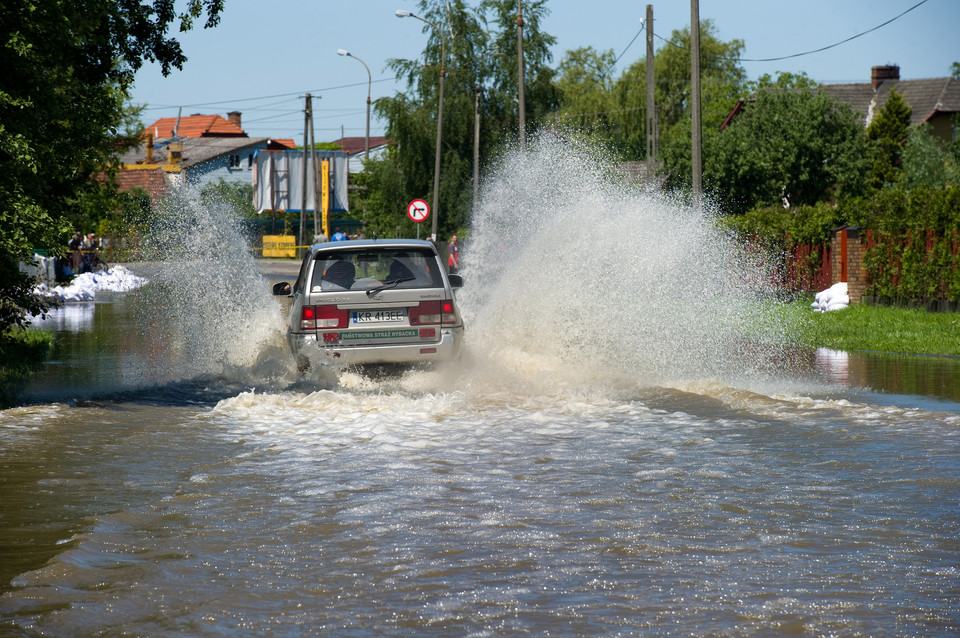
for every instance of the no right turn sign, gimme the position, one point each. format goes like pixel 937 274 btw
pixel 418 210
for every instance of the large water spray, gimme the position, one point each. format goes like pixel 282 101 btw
pixel 572 273
pixel 574 276
pixel 223 318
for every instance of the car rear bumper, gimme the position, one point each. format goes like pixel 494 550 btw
pixel 446 349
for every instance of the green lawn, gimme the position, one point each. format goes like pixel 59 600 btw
pixel 885 329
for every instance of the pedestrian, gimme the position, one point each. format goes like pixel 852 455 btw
pixel 76 252
pixel 339 236
pixel 89 246
pixel 320 238
pixel 453 255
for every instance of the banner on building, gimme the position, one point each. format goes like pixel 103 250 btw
pixel 278 181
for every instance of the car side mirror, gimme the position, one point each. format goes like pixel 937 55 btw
pixel 282 288
pixel 456 281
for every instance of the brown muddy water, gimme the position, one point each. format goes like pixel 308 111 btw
pixel 608 459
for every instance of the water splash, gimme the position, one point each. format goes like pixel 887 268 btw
pixel 573 274
pixel 219 312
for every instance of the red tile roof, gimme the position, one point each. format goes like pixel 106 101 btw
pixel 279 145
pixel 354 145
pixel 150 180
pixel 194 126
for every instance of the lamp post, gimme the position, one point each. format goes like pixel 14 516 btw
pixel 366 143
pixel 403 13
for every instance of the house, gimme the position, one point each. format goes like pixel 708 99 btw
pixel 934 101
pixel 354 147
pixel 196 149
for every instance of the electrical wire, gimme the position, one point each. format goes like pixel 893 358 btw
pixel 797 55
pixel 296 94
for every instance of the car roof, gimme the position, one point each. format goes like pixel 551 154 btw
pixel 336 246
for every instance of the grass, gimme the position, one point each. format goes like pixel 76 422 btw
pixel 20 351
pixel 880 328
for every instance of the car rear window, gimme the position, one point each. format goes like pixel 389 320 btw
pixel 363 269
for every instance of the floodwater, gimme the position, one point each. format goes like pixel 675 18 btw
pixel 627 448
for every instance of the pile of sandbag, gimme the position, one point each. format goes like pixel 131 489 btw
pixel 833 298
pixel 84 287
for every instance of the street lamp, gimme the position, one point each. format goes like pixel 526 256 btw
pixel 403 13
pixel 366 143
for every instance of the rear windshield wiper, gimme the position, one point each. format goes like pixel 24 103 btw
pixel 392 283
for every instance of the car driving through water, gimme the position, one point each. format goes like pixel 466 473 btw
pixel 374 301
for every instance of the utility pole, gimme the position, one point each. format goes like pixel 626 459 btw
pixel 478 90
pixel 307 117
pixel 651 107
pixel 316 182
pixel 696 129
pixel 522 109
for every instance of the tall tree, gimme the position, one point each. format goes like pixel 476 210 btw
pixel 585 85
pixel 540 94
pixel 475 57
pixel 65 67
pixel 723 80
pixel 888 134
pixel 790 146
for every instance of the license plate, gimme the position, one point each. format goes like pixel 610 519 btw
pixel 378 316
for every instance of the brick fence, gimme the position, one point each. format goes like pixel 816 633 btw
pixel 929 278
pixel 846 261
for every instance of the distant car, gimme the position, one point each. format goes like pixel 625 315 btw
pixel 374 301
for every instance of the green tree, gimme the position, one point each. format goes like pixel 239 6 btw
pixel 500 80
pixel 65 67
pixel 237 195
pixel 887 133
pixel 784 80
pixel 794 147
pixel 927 163
pixel 475 57
pixel 586 86
pixel 722 80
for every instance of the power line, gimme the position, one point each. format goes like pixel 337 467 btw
pixel 797 55
pixel 296 94
pixel 830 46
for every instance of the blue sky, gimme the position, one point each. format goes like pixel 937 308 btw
pixel 263 57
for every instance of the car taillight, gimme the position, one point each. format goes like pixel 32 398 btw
pixel 315 317
pixel 432 312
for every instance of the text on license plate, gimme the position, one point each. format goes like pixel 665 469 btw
pixel 378 316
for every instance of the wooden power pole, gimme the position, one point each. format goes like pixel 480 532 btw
pixel 696 129
pixel 307 118
pixel 651 107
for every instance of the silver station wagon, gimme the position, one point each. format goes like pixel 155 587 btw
pixel 374 301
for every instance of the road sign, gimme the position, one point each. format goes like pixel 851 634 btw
pixel 418 210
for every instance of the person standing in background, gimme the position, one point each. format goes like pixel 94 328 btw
pixel 76 252
pixel 453 258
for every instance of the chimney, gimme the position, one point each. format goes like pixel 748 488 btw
pixel 149 159
pixel 234 118
pixel 878 75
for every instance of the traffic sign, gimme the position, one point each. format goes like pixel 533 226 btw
pixel 418 210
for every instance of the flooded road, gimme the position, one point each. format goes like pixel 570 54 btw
pixel 171 475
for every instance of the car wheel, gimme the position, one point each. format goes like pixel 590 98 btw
pixel 303 365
